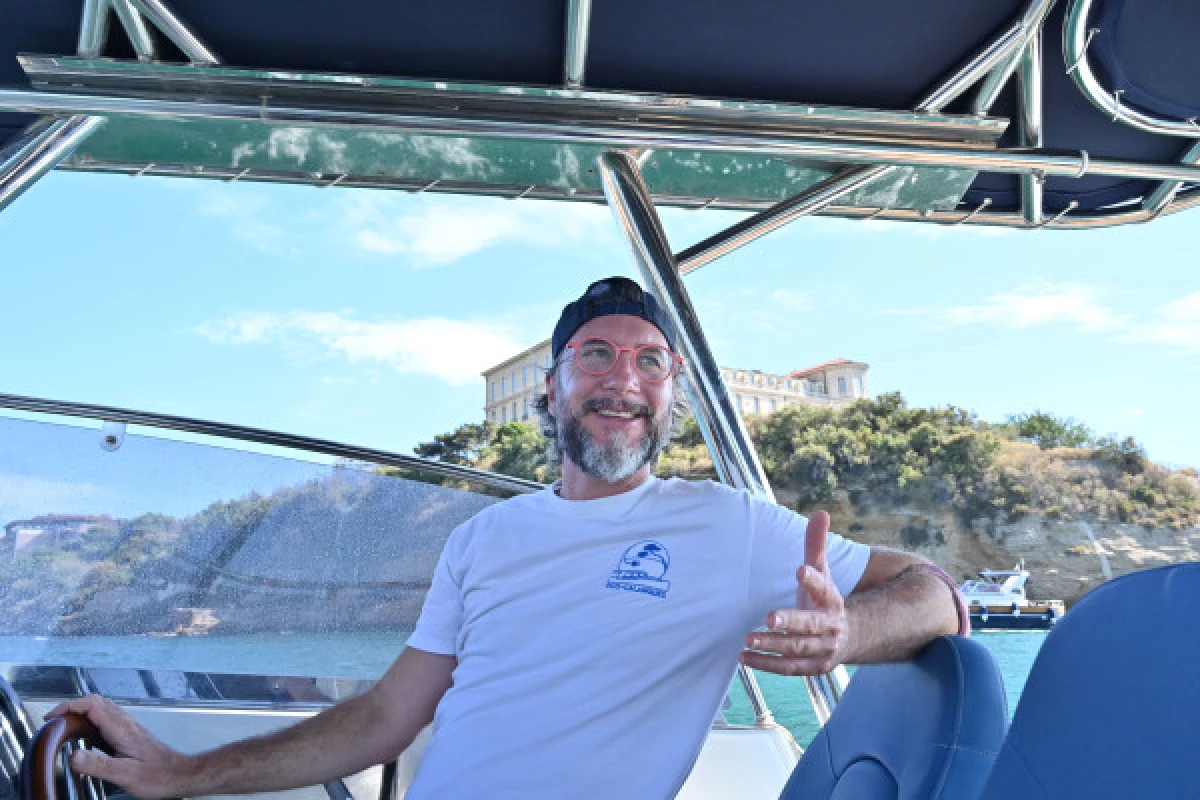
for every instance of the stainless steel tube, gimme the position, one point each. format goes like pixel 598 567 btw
pixel 1029 125
pixel 51 145
pixel 93 28
pixel 727 438
pixel 826 192
pixel 245 434
pixel 1030 23
pixel 807 202
pixel 192 45
pixel 135 29
pixel 612 135
pixel 998 49
pixel 579 14
pixel 1183 201
pixel 27 139
pixel 1158 200
pixel 1076 38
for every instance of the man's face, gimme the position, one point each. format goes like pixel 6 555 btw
pixel 611 425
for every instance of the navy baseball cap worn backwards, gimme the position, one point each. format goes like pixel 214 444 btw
pixel 607 297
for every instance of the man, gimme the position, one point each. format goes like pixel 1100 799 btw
pixel 577 642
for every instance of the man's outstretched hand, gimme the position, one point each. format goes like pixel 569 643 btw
pixel 141 765
pixel 807 639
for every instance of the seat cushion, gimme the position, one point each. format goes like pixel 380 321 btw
pixel 1111 707
pixel 928 728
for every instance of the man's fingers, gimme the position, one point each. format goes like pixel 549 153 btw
pixel 795 620
pixel 819 588
pixel 783 665
pixel 814 539
pixel 80 705
pixel 98 765
pixel 792 645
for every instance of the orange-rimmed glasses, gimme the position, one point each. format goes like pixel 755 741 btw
pixel 596 355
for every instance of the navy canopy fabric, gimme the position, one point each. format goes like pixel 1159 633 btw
pixel 1073 123
pixel 861 53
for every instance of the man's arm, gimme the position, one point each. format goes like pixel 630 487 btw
pixel 369 729
pixel 897 608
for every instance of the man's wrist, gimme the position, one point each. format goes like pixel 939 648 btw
pixel 960 602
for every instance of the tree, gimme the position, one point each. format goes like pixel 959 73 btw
pixel 1047 431
pixel 463 446
pixel 1126 454
pixel 518 450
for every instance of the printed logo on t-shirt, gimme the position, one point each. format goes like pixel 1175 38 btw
pixel 642 569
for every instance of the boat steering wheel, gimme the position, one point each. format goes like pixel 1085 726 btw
pixel 38 769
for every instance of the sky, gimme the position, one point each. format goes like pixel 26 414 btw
pixel 367 316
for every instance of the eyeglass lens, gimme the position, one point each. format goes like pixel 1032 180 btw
pixel 652 362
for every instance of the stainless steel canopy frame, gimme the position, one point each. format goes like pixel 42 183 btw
pixel 47 148
pixel 43 145
pixel 733 453
pixel 1013 50
pixel 260 436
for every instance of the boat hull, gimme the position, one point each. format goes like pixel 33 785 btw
pixel 1005 619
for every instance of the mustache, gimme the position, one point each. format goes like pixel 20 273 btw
pixel 612 404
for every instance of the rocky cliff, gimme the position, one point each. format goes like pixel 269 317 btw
pixel 1067 558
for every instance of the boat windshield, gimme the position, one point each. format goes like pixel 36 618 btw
pixel 137 550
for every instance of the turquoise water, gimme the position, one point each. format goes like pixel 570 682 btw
pixel 368 655
pixel 788 699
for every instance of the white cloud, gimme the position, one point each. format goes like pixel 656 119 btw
pixel 455 351
pixel 789 300
pixel 21 494
pixel 436 231
pixel 1027 306
pixel 1176 323
pixel 248 214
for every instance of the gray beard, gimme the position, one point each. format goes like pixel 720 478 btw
pixel 615 462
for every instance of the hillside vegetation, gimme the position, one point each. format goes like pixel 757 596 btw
pixel 881 454
pixel 969 493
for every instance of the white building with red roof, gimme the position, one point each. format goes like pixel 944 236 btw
pixel 511 386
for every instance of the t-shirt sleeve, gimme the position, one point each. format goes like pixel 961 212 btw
pixel 442 615
pixel 777 551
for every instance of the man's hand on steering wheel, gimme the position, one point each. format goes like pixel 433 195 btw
pixel 140 764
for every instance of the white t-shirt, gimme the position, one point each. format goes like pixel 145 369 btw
pixel 596 639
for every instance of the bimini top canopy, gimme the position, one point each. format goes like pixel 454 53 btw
pixel 1017 112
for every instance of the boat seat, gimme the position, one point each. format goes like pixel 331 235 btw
pixel 1111 707
pixel 928 728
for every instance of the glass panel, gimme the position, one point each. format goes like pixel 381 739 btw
pixel 166 554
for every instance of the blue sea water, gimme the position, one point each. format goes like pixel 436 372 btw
pixel 368 655
pixel 788 699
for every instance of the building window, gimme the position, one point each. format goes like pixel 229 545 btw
pixel 514 411
pixel 772 401
pixel 755 404
pixel 503 387
pixel 525 408
pixel 493 415
pixel 841 386
pixel 524 376
pixel 858 386
pixel 503 415
pixel 495 395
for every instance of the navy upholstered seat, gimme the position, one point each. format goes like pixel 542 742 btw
pixel 1112 705
pixel 927 728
